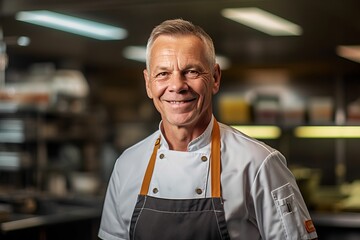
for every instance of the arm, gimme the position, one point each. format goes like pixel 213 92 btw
pixel 280 210
pixel 111 226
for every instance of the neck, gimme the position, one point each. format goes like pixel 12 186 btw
pixel 179 137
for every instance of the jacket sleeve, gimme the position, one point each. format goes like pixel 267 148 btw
pixel 112 227
pixel 280 210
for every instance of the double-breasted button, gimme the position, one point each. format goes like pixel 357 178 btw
pixel 155 190
pixel 199 191
pixel 161 156
pixel 204 158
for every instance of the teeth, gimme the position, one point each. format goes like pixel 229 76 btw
pixel 179 102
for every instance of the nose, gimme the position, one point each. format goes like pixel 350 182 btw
pixel 178 83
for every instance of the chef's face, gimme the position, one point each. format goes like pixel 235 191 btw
pixel 180 80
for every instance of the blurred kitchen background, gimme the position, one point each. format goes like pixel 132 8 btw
pixel 70 104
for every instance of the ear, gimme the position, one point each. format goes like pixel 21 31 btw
pixel 147 83
pixel 217 78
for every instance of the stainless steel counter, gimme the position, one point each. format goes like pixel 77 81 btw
pixel 338 219
pixel 79 216
pixel 63 214
pixel 337 225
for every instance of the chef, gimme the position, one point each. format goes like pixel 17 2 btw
pixel 196 178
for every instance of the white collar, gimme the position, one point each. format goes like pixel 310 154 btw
pixel 201 141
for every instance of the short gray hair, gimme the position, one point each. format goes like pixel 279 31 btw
pixel 181 27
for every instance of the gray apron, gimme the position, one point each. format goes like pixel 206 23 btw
pixel 181 219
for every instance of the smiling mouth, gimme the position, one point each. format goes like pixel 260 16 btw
pixel 180 102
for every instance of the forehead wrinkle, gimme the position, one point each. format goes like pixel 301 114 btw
pixel 163 57
pixel 182 58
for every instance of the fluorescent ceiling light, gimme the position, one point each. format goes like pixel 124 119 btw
pixel 260 132
pixel 138 53
pixel 14 40
pixel 72 24
pixel 262 21
pixel 224 62
pixel 327 132
pixel 23 41
pixel 349 52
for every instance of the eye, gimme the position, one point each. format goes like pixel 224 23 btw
pixel 161 75
pixel 191 74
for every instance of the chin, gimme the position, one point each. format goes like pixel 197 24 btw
pixel 181 120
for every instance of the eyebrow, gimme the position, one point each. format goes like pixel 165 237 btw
pixel 196 66
pixel 200 68
pixel 160 68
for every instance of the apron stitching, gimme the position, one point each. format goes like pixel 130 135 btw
pixel 137 219
pixel 207 178
pixel 169 212
pixel 217 220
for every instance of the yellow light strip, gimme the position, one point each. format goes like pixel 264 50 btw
pixel 327 132
pixel 261 132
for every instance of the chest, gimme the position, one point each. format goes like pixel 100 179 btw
pixel 181 175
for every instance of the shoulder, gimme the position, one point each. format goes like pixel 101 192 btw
pixel 246 154
pixel 136 154
pixel 143 145
pixel 232 137
pixel 123 188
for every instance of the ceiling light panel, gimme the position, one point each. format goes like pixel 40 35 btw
pixel 72 24
pixel 349 52
pixel 262 21
pixel 137 53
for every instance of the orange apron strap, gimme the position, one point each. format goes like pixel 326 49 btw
pixel 215 164
pixel 149 170
pixel 215 161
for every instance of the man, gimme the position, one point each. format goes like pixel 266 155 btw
pixel 196 178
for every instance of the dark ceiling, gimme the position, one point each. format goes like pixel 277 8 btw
pixel 325 24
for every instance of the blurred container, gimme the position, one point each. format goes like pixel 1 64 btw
pixel 293 114
pixel 24 98
pixel 57 184
pixel 234 109
pixel 267 109
pixel 353 112
pixel 70 90
pixel 12 130
pixel 71 83
pixel 321 110
pixel 84 183
pixel 43 88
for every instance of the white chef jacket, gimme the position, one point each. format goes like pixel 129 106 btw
pixel 261 197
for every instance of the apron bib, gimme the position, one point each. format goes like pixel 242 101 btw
pixel 181 219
